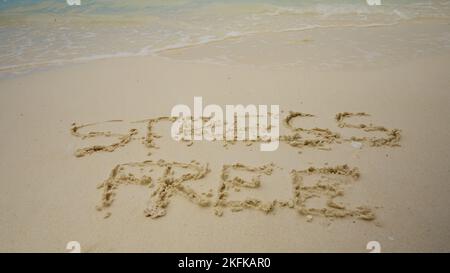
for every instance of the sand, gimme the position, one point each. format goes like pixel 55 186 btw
pixel 86 155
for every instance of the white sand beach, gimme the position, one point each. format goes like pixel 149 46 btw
pixel 395 191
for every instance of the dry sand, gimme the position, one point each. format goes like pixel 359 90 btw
pixel 372 190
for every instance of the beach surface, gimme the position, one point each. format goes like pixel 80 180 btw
pixel 50 192
pixel 49 195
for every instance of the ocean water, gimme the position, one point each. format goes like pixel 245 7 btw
pixel 41 33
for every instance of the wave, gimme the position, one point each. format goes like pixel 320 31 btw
pixel 36 33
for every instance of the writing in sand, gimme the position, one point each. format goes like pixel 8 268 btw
pixel 166 179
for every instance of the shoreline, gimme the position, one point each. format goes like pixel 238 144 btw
pixel 308 40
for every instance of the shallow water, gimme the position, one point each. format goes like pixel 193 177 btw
pixel 40 33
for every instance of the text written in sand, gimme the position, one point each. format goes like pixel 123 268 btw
pixel 165 179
